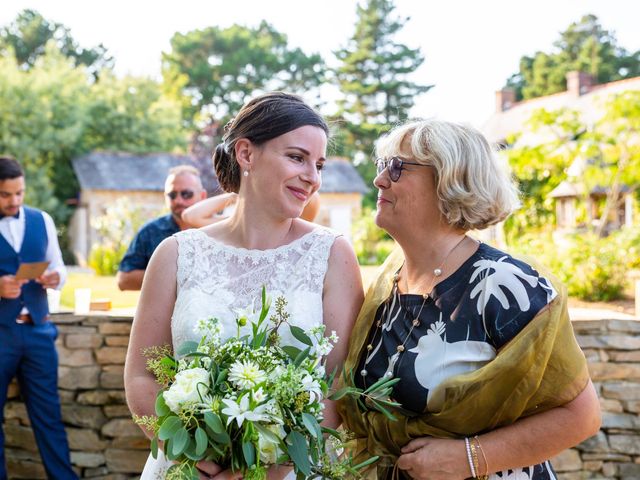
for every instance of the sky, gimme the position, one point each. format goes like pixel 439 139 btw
pixel 471 47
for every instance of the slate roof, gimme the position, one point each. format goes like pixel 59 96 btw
pixel 125 172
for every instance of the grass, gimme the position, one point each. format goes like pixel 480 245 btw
pixel 101 288
pixel 106 288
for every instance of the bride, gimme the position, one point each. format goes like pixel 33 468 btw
pixel 272 156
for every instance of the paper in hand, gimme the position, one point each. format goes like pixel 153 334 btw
pixel 31 271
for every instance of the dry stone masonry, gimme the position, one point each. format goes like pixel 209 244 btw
pixel 107 445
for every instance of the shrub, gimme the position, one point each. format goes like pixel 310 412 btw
pixel 116 229
pixel 590 267
pixel 371 243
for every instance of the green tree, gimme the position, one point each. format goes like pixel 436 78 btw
pixel 218 69
pixel 607 154
pixel 29 34
pixel 541 167
pixel 52 113
pixel 585 46
pixel 614 146
pixel 374 79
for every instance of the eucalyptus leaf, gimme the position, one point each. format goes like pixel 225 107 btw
pixel 300 335
pixel 293 352
pixel 201 441
pixel 169 427
pixel 180 441
pixel 302 356
pixel 214 422
pixel 154 447
pixel 249 452
pixel 298 451
pixel 161 406
pixel 311 424
pixel 187 347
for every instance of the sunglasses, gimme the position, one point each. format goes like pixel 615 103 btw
pixel 394 166
pixel 185 194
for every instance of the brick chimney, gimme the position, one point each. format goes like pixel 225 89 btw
pixel 505 99
pixel 579 83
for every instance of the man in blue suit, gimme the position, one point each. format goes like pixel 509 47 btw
pixel 27 348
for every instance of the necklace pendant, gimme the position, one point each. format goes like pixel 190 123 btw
pixel 416 322
pixel 369 347
pixel 437 272
pixel 400 348
pixel 363 372
pixel 378 324
pixel 426 296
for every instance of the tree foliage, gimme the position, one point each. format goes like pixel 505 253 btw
pixel 29 34
pixel 604 156
pixel 218 69
pixel 585 46
pixel 52 113
pixel 374 80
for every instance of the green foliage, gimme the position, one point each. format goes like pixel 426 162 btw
pixel 116 229
pixel 371 244
pixel 52 113
pixel 373 77
pixel 104 259
pixel 585 46
pixel 590 266
pixel 26 38
pixel 540 168
pixel 217 69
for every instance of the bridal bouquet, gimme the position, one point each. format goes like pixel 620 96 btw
pixel 250 401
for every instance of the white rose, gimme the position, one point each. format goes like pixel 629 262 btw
pixel 270 450
pixel 189 387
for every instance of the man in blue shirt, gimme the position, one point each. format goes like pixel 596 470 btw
pixel 182 189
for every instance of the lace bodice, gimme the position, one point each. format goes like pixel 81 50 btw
pixel 218 280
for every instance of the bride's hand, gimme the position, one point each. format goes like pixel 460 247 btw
pixel 227 475
pixel 208 470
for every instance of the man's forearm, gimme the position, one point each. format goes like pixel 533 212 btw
pixel 130 280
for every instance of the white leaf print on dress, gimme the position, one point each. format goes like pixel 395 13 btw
pixel 438 360
pixel 505 275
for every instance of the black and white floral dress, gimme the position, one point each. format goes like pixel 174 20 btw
pixel 473 313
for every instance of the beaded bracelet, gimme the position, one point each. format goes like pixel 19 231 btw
pixel 467 444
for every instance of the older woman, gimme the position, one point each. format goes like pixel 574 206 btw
pixel 491 380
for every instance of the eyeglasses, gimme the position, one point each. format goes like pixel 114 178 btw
pixel 394 165
pixel 185 194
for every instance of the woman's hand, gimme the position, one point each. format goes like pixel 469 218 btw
pixel 435 459
pixel 209 470
pixel 225 475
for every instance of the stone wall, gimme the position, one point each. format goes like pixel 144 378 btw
pixel 107 445
pixel 612 348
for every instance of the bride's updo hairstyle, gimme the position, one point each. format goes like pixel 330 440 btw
pixel 260 120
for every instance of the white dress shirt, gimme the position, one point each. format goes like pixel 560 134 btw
pixel 12 229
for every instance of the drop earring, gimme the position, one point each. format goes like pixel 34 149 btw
pixel 245 173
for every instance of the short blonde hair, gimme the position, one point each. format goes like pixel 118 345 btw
pixel 474 188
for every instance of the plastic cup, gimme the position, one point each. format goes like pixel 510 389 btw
pixel 82 300
pixel 53 299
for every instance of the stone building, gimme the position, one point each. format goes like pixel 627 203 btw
pixel 104 177
pixel 587 98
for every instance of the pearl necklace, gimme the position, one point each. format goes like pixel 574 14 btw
pixel 437 272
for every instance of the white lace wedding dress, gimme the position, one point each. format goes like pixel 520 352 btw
pixel 215 280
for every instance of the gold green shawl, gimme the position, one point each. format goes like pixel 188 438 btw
pixel 541 368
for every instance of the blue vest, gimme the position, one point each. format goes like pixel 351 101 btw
pixel 34 249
